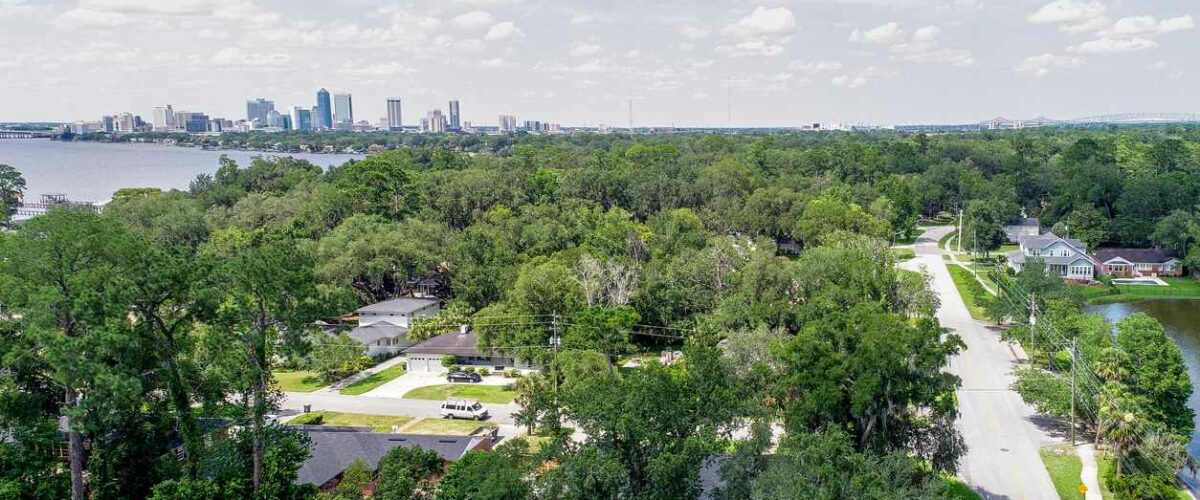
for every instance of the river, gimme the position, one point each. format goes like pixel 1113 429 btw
pixel 1181 319
pixel 92 171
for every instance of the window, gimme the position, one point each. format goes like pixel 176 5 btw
pixel 1081 270
pixel 1144 267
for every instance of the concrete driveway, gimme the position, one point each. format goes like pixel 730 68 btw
pixel 400 386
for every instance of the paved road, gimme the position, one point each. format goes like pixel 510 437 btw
pixel 1002 460
pixel 501 414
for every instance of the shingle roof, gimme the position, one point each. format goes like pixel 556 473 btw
pixel 1134 255
pixel 456 343
pixel 1026 222
pixel 1017 257
pixel 377 331
pixel 335 448
pixel 403 305
pixel 1044 240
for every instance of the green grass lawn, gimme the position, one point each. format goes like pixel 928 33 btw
pixel 903 254
pixel 1180 288
pixel 380 423
pixel 972 292
pixel 1064 467
pixel 945 241
pixel 375 380
pixel 959 490
pixel 482 393
pixel 297 381
pixel 447 426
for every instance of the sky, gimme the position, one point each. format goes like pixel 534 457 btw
pixel 683 63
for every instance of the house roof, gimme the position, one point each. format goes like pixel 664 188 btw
pixel 456 343
pixel 1135 255
pixel 1026 222
pixel 1017 257
pixel 375 332
pixel 335 448
pixel 403 305
pixel 1044 240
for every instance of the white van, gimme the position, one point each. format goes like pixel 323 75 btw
pixel 463 408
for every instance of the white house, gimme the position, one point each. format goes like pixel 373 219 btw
pixel 1067 258
pixel 383 327
pixel 1025 226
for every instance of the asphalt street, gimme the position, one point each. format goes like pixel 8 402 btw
pixel 1002 459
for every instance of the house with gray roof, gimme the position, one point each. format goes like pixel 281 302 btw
pixel 1066 258
pixel 1024 226
pixel 1137 262
pixel 462 344
pixel 383 327
pixel 333 449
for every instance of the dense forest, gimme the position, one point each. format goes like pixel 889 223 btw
pixel 764 258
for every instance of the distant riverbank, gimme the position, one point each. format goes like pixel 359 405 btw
pixel 92 171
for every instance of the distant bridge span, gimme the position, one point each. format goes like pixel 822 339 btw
pixel 26 134
pixel 1140 118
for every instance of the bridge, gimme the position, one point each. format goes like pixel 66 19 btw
pixel 48 202
pixel 27 134
pixel 1135 118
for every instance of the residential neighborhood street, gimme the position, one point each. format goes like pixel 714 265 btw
pixel 1002 459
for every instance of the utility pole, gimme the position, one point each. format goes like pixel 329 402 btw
pixel 960 230
pixel 555 342
pixel 1074 361
pixel 1032 320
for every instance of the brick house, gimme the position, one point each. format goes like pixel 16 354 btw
pixel 1133 262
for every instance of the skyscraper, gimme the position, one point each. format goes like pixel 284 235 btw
pixel 394 121
pixel 302 118
pixel 508 123
pixel 455 123
pixel 323 112
pixel 437 121
pixel 258 109
pixel 164 118
pixel 343 112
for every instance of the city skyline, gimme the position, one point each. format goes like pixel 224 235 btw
pixel 732 62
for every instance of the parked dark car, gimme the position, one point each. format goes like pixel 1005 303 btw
pixel 463 377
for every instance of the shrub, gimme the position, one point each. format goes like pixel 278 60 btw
pixel 513 373
pixel 449 360
pixel 315 418
pixel 455 368
pixel 483 372
pixel 469 369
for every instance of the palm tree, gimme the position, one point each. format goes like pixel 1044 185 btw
pixel 1110 366
pixel 1126 430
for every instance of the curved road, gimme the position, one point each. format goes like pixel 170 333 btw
pixel 1002 459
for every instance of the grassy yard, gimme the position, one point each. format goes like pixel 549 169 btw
pixel 944 243
pixel 972 292
pixel 1180 288
pixel 447 427
pixel 297 381
pixel 482 393
pixel 375 380
pixel 903 254
pixel 380 423
pixel 959 490
pixel 1064 468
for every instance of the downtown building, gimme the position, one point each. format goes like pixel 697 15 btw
pixel 343 112
pixel 395 122
pixel 258 112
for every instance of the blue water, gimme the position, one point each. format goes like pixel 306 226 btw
pixel 89 171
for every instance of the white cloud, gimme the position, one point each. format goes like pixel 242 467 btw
pixel 705 64
pixel 700 95
pixel 581 19
pixel 503 31
pixel 493 63
pixel 848 81
pixel 87 18
pixel 1066 11
pixel 1148 25
pixel 952 57
pixel 234 56
pixel 474 20
pixel 1088 26
pixel 764 21
pixel 488 2
pixel 885 33
pixel 377 70
pixel 692 29
pixel 169 7
pixel 750 48
pixel 633 54
pixel 586 49
pixel 1108 45
pixel 1042 65
pixel 815 67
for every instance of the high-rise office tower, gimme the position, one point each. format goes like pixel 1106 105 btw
pixel 258 110
pixel 394 121
pixel 124 122
pixel 508 123
pixel 302 118
pixel 164 118
pixel 343 112
pixel 455 120
pixel 109 125
pixel 323 113
pixel 437 121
